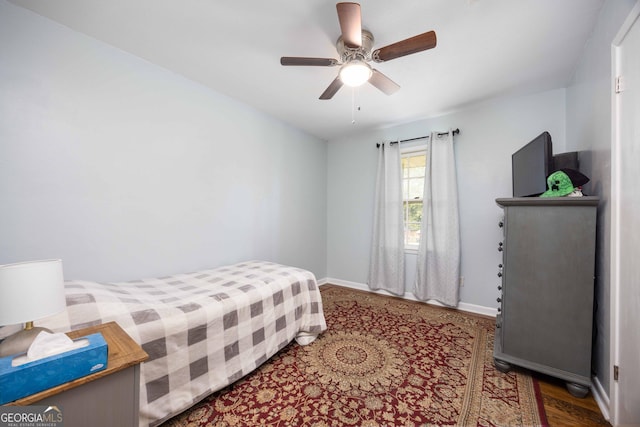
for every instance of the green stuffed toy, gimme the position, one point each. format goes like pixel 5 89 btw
pixel 564 182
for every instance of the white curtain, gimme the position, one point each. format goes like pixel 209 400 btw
pixel 386 267
pixel 438 262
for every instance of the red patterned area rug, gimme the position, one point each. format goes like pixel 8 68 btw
pixel 383 361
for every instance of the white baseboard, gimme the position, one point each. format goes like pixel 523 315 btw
pixel 471 308
pixel 602 398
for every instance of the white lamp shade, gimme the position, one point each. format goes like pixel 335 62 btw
pixel 30 291
pixel 355 73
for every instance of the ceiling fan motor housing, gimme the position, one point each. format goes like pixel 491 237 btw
pixel 362 53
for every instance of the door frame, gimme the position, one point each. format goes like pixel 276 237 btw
pixel 615 303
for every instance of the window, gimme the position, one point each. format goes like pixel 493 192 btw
pixel 413 170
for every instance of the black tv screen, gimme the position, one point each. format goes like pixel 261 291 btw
pixel 531 165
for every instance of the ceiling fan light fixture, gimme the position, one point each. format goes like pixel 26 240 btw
pixel 355 73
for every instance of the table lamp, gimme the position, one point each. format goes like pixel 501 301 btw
pixel 29 291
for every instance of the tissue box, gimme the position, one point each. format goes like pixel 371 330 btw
pixel 33 377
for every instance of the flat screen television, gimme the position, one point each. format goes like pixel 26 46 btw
pixel 531 165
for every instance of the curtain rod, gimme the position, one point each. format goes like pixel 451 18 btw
pixel 455 132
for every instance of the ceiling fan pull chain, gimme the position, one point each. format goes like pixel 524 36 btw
pixel 354 105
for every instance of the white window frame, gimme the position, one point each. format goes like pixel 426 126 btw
pixel 408 152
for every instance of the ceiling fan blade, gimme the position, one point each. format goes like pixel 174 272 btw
pixel 408 46
pixel 384 83
pixel 334 87
pixel 350 24
pixel 317 62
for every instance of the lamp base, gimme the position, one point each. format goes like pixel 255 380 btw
pixel 20 341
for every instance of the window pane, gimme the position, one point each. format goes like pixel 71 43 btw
pixel 415 212
pixel 416 172
pixel 417 161
pixel 412 234
pixel 416 188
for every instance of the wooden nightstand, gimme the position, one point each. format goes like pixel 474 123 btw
pixel 107 398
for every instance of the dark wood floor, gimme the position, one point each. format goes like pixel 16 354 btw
pixel 565 410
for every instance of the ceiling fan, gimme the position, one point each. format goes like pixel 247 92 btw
pixel 354 47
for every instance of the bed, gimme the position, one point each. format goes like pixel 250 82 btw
pixel 202 330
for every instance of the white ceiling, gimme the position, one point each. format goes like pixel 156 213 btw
pixel 486 49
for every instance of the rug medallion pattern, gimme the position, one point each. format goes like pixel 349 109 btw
pixel 382 362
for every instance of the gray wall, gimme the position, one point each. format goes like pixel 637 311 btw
pixel 126 170
pixel 589 130
pixel 490 133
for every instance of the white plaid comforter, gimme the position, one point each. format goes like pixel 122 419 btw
pixel 202 330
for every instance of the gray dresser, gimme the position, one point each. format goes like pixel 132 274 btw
pixel 546 303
